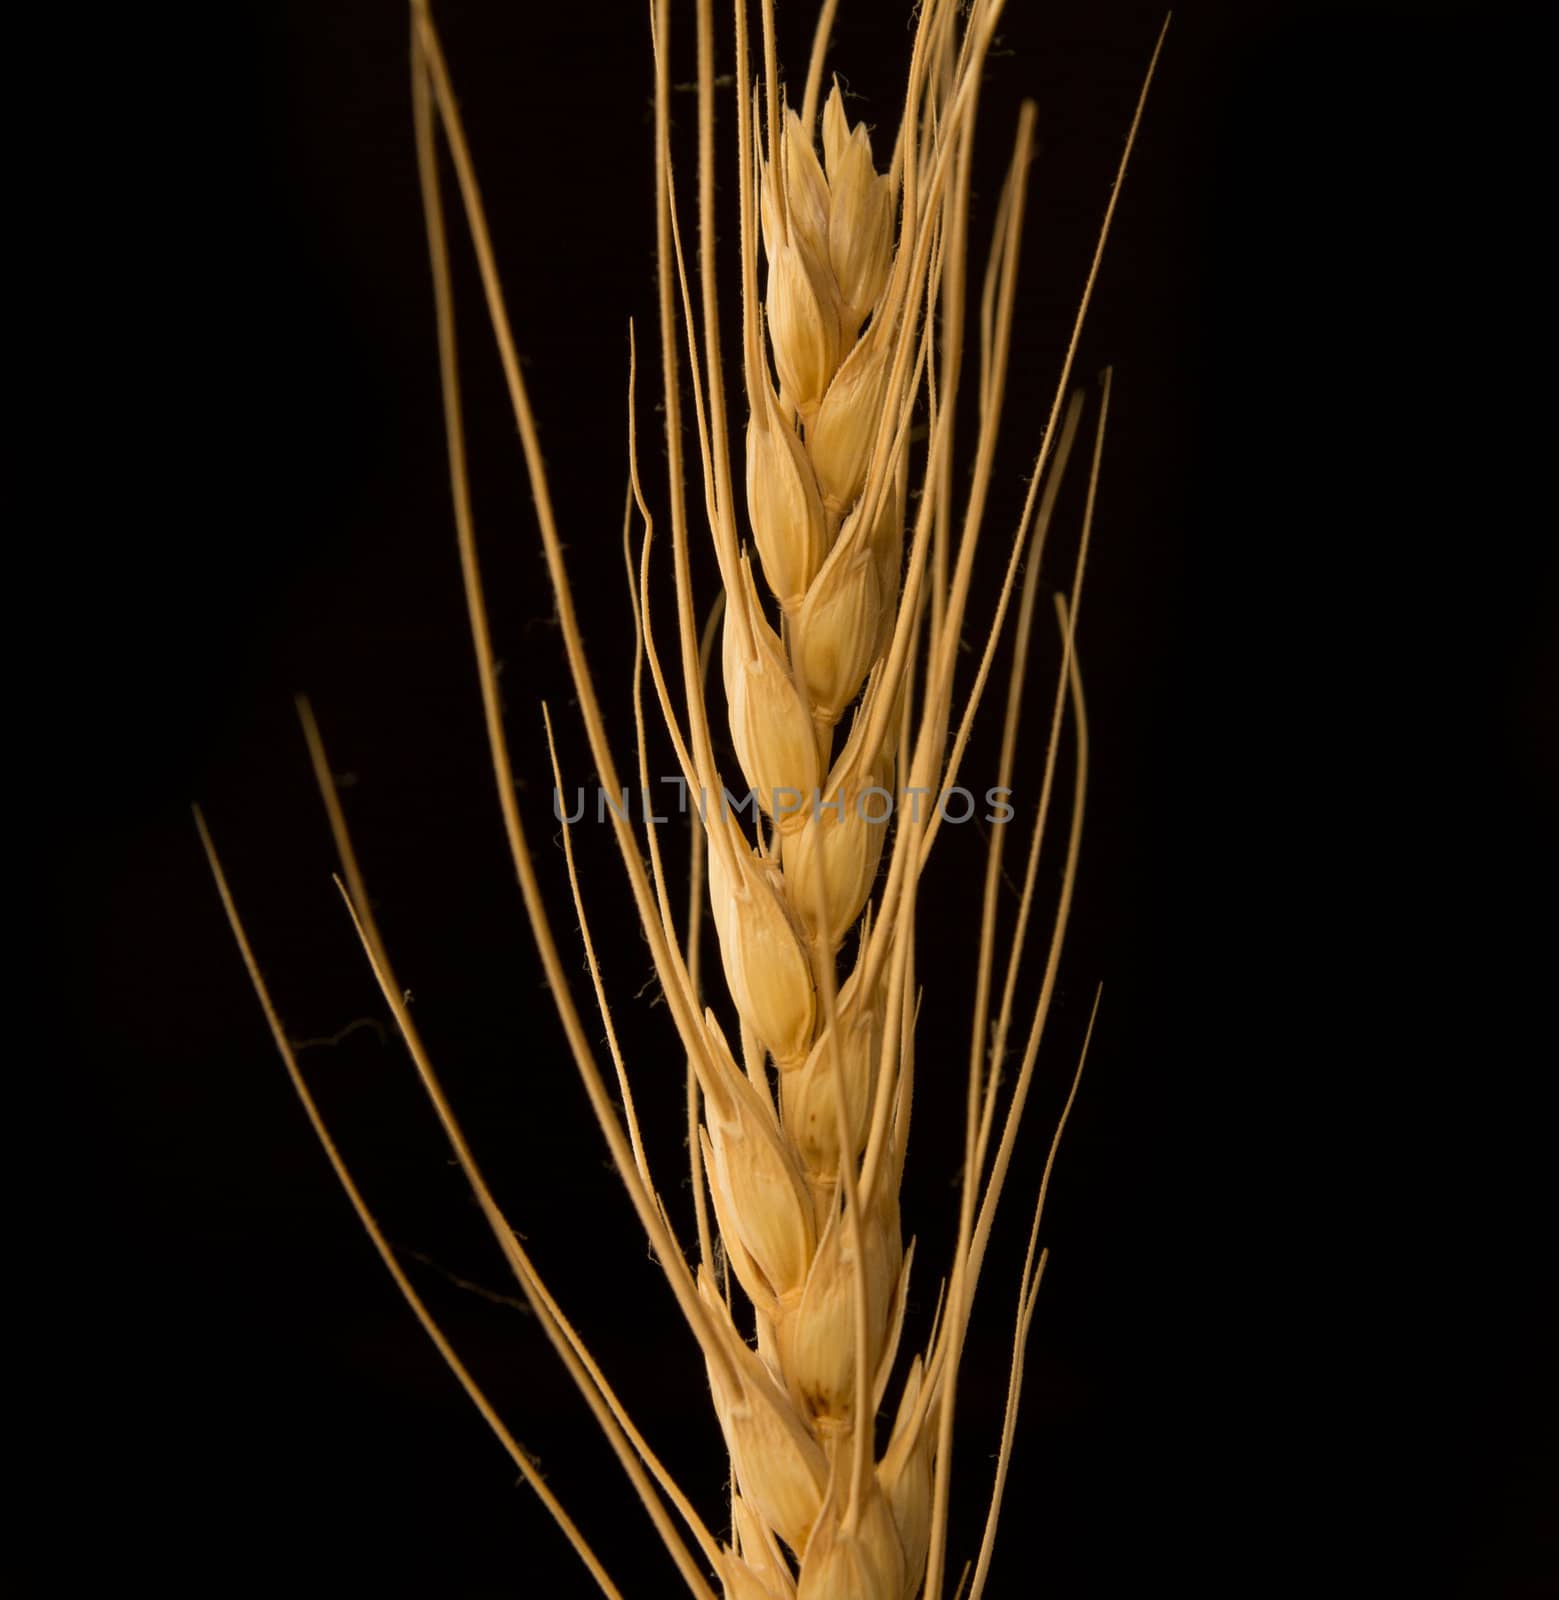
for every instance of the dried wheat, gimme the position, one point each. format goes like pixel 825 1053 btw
pixel 839 697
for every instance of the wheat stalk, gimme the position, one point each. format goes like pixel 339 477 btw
pixel 838 688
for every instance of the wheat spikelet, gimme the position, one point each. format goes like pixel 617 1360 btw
pixel 798 1135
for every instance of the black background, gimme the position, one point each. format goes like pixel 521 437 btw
pixel 1295 1324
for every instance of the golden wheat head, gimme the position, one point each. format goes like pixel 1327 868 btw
pixel 845 523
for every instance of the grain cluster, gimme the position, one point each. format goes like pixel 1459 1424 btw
pixel 845 561
pixel 826 510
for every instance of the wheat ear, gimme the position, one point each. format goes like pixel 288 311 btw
pixel 839 684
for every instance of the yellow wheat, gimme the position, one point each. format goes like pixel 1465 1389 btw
pixel 839 651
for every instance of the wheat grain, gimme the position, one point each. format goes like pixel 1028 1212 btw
pixel 801 1134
